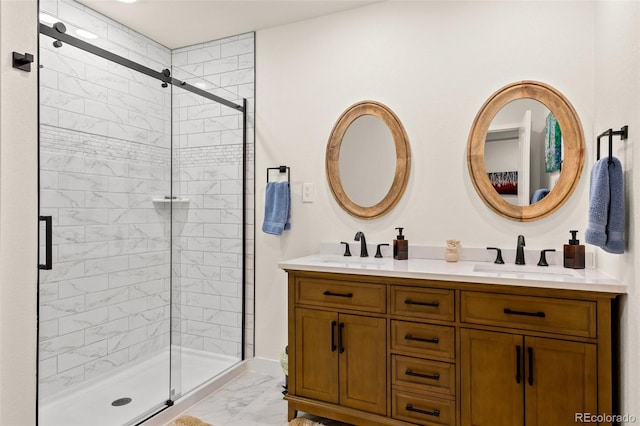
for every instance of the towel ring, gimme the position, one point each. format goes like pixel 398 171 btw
pixel 280 169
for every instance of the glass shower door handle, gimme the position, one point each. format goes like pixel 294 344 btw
pixel 48 222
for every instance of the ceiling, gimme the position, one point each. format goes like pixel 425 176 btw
pixel 179 23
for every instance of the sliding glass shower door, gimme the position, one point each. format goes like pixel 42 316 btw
pixel 105 169
pixel 142 207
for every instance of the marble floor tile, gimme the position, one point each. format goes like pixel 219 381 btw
pixel 252 399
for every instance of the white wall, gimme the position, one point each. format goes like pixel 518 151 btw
pixel 18 215
pixel 617 103
pixel 434 64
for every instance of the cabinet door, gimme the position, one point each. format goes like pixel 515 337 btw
pixel 561 380
pixel 317 355
pixel 491 378
pixel 363 363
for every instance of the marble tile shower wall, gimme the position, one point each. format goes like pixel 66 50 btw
pixel 209 174
pixel 105 153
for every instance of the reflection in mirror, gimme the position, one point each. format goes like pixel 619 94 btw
pixel 523 151
pixel 367 160
pixel 563 144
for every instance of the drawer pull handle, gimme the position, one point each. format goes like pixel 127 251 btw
pixel 523 313
pixel 410 372
pixel 413 302
pixel 422 339
pixel 435 413
pixel 329 293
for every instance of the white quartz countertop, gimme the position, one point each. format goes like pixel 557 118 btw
pixel 556 277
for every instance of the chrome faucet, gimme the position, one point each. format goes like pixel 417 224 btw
pixel 363 244
pixel 520 250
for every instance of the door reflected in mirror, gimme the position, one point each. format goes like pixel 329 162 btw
pixel 523 151
pixel 367 160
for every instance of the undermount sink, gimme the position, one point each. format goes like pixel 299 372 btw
pixel 524 271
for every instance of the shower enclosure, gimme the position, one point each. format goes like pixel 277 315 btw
pixel 143 184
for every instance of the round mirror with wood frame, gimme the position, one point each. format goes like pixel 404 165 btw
pixel 572 145
pixel 402 160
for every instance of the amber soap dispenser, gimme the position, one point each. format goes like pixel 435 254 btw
pixel 574 253
pixel 400 246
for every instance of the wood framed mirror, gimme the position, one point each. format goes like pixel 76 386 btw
pixel 572 150
pixel 368 160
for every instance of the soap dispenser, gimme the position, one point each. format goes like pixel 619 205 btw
pixel 574 253
pixel 400 246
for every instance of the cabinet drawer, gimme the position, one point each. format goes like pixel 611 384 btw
pixel 422 410
pixel 423 375
pixel 573 317
pixel 422 303
pixel 423 339
pixel 341 294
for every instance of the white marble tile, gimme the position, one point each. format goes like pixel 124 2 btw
pixel 106 364
pixel 218 66
pixel 223 230
pixel 106 297
pixel 221 259
pixel 127 339
pixel 239 47
pixel 106 330
pixel 203 329
pixel 53 309
pixel 203 139
pixel 106 233
pixel 62 344
pixel 207 301
pixel 203 271
pixel 80 251
pixel 106 111
pixel 106 167
pixel 106 265
pixel 82 217
pixel 82 355
pixel 203 54
pixel 222 288
pixel 80 286
pixel 82 181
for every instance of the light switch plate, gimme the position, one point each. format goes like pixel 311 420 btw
pixel 308 192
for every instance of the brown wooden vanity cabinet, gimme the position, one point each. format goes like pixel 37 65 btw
pixel 371 350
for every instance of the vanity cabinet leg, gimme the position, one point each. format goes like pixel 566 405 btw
pixel 292 413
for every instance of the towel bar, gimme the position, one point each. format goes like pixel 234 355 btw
pixel 623 133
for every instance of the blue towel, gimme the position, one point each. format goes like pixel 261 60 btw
pixel 538 195
pixel 277 208
pixel 615 224
pixel 596 233
pixel 606 206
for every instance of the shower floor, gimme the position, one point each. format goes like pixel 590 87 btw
pixel 146 383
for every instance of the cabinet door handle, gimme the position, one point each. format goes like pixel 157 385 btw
pixel 329 293
pixel 518 368
pixel 333 336
pixel 526 314
pixel 48 234
pixel 422 339
pixel 340 331
pixel 435 303
pixel 410 372
pixel 435 413
pixel 530 351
